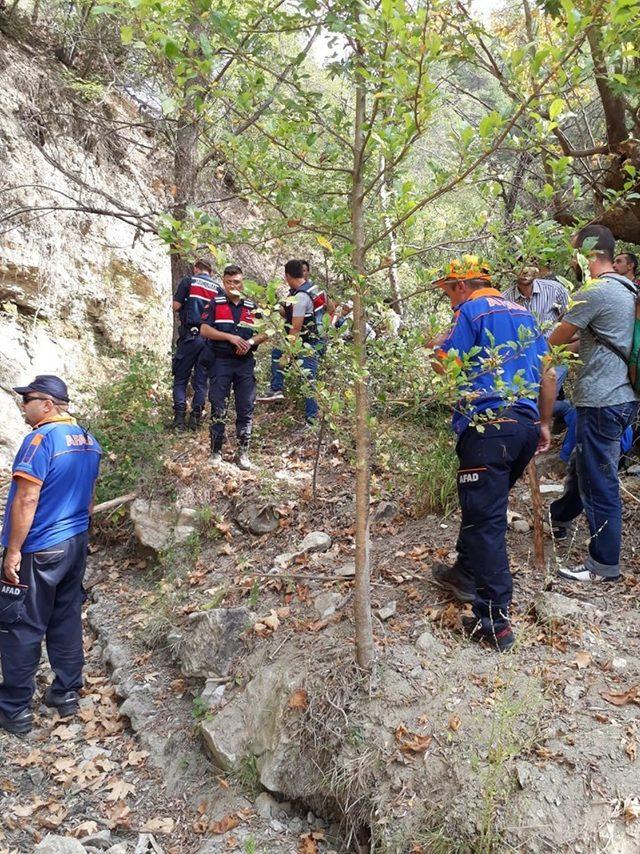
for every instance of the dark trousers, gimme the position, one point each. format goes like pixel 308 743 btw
pixel 192 356
pixel 592 483
pixel 52 609
pixel 491 462
pixel 235 373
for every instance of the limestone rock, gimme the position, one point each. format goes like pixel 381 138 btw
pixel 266 805
pixel 556 608
pixel 211 641
pixel 347 570
pixel 157 524
pixel 385 511
pixel 213 693
pixel 257 518
pixel 52 844
pixel 316 541
pixel 139 708
pixel 387 610
pixel 521 526
pixel 326 603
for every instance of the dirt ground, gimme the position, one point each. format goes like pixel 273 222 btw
pixel 574 775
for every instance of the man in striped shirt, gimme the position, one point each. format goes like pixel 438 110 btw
pixel 546 299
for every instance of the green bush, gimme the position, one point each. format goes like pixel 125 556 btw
pixel 129 426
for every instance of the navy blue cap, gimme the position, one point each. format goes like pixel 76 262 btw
pixel 46 384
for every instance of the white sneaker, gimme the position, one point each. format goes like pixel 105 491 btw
pixel 581 573
pixel 216 459
pixel 243 462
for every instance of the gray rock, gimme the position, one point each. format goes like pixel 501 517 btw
pixel 278 826
pixel 139 708
pixel 295 825
pixel 521 526
pixel 213 693
pixel 93 752
pixel 551 488
pixel 211 641
pixel 326 603
pixel 257 518
pixel 347 570
pixel 556 608
pixel 157 524
pixel 429 644
pixel 36 775
pixel 52 844
pixel 266 805
pixel 120 848
pixel 316 541
pixel 387 610
pixel 385 511
pixel 116 655
pixel 100 840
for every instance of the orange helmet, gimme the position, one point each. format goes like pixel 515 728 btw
pixel 462 269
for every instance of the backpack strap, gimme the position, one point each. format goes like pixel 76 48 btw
pixel 612 347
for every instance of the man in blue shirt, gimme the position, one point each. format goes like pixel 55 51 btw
pixel 44 535
pixel 502 416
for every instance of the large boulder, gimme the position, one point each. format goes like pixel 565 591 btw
pixel 157 525
pixel 253 725
pixel 211 640
pixel 257 518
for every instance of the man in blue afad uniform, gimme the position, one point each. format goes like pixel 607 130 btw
pixel 502 418
pixel 193 358
pixel 44 535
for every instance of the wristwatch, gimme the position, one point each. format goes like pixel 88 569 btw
pixel 251 342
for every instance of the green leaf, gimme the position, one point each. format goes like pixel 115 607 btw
pixel 126 35
pixel 555 108
pixel 171 50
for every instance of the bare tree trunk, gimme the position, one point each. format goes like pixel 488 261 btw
pixel 362 591
pixel 386 195
pixel 538 521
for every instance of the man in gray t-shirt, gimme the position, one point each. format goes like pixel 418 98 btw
pixel 603 316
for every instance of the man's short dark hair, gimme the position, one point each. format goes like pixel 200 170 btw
pixel 232 270
pixel 294 269
pixel 201 264
pixel 633 260
pixel 602 240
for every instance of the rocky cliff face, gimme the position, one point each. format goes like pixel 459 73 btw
pixel 79 291
pixel 82 289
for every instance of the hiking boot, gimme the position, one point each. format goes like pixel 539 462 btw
pixel 502 640
pixel 270 396
pixel 66 704
pixel 179 421
pixel 18 724
pixel 242 459
pixel 558 532
pixel 581 573
pixel 195 420
pixel 446 576
pixel 216 458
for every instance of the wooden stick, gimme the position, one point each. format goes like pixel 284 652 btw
pixel 538 517
pixel 114 502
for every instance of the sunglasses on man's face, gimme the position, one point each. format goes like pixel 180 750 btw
pixel 26 399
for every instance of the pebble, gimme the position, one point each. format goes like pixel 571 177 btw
pixel 619 663
pixel 316 541
pixel 573 692
pixel 387 610
pixel 266 805
pixel 36 775
pixel 278 826
pixel 92 752
pixel 347 570
pixel 521 526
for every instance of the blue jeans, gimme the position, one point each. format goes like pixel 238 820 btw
pixel 309 365
pixel 190 361
pixel 592 483
pixel 561 375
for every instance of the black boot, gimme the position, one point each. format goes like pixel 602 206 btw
pixel 66 704
pixel 19 724
pixel 195 418
pixel 179 420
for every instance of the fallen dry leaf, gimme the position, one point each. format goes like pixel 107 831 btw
pixel 410 742
pixel 272 621
pixel 118 790
pixel 299 700
pixel 136 757
pixel 225 824
pixel 455 723
pixel 87 828
pixel 582 660
pixel 307 844
pixel 630 696
pixel 158 825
